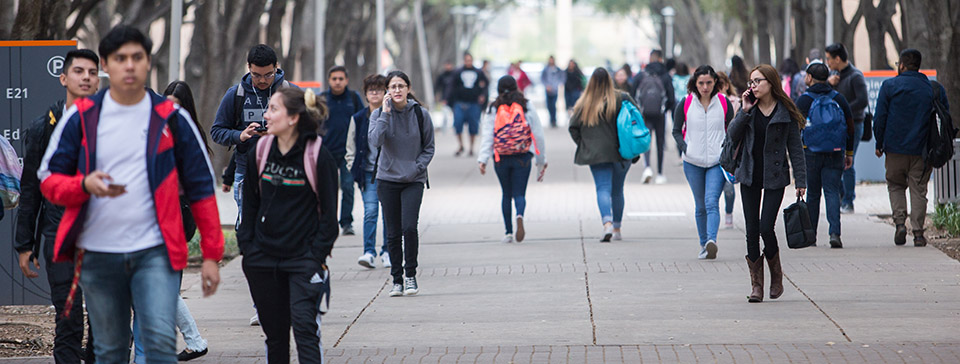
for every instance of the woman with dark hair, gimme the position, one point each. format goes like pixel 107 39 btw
pixel 573 86
pixel 289 224
pixel 511 132
pixel 699 127
pixel 738 74
pixel 621 79
pixel 788 71
pixel 767 131
pixel 403 133
pixel 729 192
pixel 593 127
pixel 680 79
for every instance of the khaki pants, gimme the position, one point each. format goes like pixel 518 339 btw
pixel 908 171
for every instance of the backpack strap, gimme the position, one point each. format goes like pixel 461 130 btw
pixel 723 103
pixel 310 156
pixel 686 110
pixel 238 103
pixel 417 109
pixel 263 150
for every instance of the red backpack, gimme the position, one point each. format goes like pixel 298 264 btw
pixel 310 155
pixel 511 133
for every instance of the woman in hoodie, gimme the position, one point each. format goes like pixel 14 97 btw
pixel 699 127
pixel 403 134
pixel 593 128
pixel 289 224
pixel 767 131
pixel 513 144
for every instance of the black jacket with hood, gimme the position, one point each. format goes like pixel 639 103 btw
pixel 37 217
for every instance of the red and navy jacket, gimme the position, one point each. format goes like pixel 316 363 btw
pixel 176 159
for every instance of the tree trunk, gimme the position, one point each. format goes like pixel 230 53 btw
pixel 775 11
pixel 40 20
pixel 944 16
pixel 913 25
pixel 763 31
pixel 877 19
pixel 7 18
pixel 844 30
pixel 297 37
pixel 275 25
pixel 810 21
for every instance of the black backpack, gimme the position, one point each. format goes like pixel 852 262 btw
pixel 651 95
pixel 939 148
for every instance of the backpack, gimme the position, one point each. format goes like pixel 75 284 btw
pixel 651 95
pixel 686 110
pixel 10 172
pixel 632 132
pixel 826 129
pixel 238 100
pixel 310 155
pixel 939 148
pixel 511 133
pixel 419 111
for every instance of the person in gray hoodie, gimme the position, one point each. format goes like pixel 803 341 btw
pixel 401 174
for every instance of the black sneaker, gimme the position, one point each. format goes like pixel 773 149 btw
pixel 397 290
pixel 186 354
pixel 835 241
pixel 410 287
pixel 900 237
pixel 348 230
pixel 919 241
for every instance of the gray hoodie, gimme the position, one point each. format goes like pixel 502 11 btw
pixel 403 156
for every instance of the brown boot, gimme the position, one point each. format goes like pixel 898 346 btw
pixel 776 276
pixel 756 279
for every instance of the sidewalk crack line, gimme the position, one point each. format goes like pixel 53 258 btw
pixel 586 281
pixel 355 319
pixel 843 332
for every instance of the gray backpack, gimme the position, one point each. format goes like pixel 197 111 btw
pixel 651 95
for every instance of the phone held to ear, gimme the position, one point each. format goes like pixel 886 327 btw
pixel 751 96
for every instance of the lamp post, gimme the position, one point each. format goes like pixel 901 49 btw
pixel 829 22
pixel 668 14
pixel 459 13
pixel 176 20
pixel 381 28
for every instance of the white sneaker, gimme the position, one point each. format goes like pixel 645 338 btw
pixel 366 260
pixel 661 179
pixel 617 236
pixel 607 233
pixel 255 320
pixel 703 253
pixel 385 260
pixel 647 175
pixel 397 290
pixel 711 249
pixel 507 239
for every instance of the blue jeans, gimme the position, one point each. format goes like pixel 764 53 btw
pixel 113 283
pixel 371 210
pixel 346 186
pixel 570 97
pixel 824 171
pixel 238 196
pixel 186 324
pixel 466 112
pixel 849 178
pixel 706 184
pixel 552 107
pixel 608 178
pixel 513 171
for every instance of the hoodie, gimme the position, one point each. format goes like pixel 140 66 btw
pixel 403 155
pixel 341 108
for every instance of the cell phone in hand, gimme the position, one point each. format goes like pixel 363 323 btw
pixel 119 186
pixel 751 96
pixel 260 129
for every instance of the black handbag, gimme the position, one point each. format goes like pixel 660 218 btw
pixel 730 155
pixel 796 222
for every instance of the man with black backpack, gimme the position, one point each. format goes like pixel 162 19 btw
pixel 907 106
pixel 828 141
pixel 655 95
pixel 850 83
pixel 342 103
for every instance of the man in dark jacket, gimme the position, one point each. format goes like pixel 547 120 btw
pixel 825 168
pixel 469 93
pixel 851 84
pixel 663 96
pixel 342 103
pixel 38 218
pixel 904 105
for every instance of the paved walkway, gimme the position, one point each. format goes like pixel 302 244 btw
pixel 563 297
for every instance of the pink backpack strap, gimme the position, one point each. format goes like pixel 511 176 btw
pixel 263 150
pixel 686 111
pixel 310 156
pixel 723 103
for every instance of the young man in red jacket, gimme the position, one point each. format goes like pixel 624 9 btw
pixel 117 161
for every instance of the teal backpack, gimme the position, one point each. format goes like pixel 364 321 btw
pixel 632 132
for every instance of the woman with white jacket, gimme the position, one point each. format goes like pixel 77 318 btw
pixel 513 141
pixel 699 127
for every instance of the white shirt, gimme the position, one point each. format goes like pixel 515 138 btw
pixel 126 223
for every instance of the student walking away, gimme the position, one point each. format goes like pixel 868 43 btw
pixel 518 74
pixel 361 159
pixel 342 103
pixel 799 85
pixel 290 225
pixel 904 107
pixel 828 142
pixel 699 127
pixel 789 70
pixel 850 83
pixel 729 191
pixel 767 131
pixel 552 77
pixel 38 217
pixel 512 134
pixel 593 127
pixel 680 80
pixel 655 95
pixel 469 93
pixel 128 149
pixel 573 85
pixel 402 133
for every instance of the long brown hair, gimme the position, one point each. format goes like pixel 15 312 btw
pixel 773 77
pixel 599 100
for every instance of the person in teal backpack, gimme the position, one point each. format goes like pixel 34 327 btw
pixel 593 127
pixel 511 132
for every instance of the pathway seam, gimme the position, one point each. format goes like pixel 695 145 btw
pixel 586 282
pixel 355 319
pixel 842 331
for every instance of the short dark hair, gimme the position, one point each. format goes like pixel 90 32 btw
pixel 261 55
pixel 120 35
pixel 374 81
pixel 910 59
pixel 467 54
pixel 818 71
pixel 338 68
pixel 656 53
pixel 682 69
pixel 837 50
pixel 80 53
pixel 814 54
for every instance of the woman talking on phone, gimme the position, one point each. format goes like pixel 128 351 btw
pixel 767 130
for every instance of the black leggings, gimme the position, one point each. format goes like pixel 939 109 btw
pixel 656 124
pixel 760 219
pixel 401 210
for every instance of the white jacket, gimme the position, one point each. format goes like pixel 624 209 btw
pixel 705 130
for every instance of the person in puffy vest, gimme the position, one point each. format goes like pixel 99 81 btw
pixel 511 132
pixel 825 168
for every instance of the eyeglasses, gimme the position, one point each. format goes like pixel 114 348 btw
pixel 397 87
pixel 263 77
pixel 755 82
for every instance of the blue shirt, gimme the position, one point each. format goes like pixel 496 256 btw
pixel 903 112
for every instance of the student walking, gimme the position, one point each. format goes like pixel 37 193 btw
pixel 361 159
pixel 469 94
pixel 767 131
pixel 573 85
pixel 342 103
pixel 850 83
pixel 552 77
pixel 655 94
pixel 699 127
pixel 289 224
pixel 512 134
pixel 403 135
pixel 593 127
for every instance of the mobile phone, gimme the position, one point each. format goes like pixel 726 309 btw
pixel 751 96
pixel 260 129
pixel 117 185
